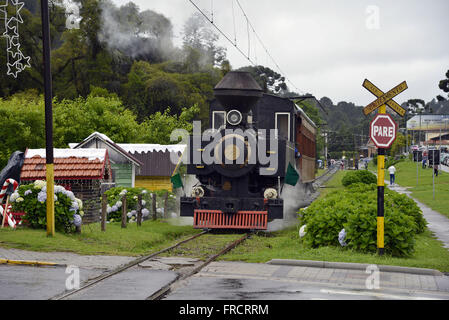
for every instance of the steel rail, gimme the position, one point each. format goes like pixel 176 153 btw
pixel 166 289
pixel 125 267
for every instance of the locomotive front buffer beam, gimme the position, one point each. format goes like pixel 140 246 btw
pixel 231 213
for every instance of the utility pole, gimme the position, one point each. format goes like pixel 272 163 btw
pixel 48 119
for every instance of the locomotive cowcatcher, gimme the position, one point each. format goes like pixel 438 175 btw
pixel 242 161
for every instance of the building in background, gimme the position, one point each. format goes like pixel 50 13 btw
pixel 429 128
pixel 124 165
pixel 157 165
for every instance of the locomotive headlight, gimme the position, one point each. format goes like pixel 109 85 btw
pixel 197 192
pixel 270 193
pixel 234 117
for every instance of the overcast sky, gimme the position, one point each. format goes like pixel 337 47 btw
pixel 329 47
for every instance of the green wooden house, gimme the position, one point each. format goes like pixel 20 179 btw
pixel 124 166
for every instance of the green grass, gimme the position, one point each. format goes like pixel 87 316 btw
pixel 130 241
pixel 286 244
pixel 406 177
pixel 333 184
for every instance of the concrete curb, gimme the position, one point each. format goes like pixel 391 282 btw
pixel 30 263
pixel 353 266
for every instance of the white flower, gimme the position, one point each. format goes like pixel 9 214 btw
pixel 19 199
pixel 123 192
pixel 302 231
pixel 145 212
pixel 114 208
pixel 27 192
pixel 70 195
pixel 129 214
pixel 143 202
pixel 74 206
pixel 14 197
pixel 144 191
pixel 118 204
pixel 342 237
pixel 39 184
pixel 59 189
pixel 42 196
pixel 80 203
pixel 77 221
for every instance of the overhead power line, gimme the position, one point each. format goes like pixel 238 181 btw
pixel 234 43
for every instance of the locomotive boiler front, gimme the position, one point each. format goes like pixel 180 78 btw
pixel 230 193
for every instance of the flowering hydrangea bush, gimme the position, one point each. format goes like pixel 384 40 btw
pixel 115 195
pixel 32 199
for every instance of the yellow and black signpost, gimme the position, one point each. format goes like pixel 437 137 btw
pixel 48 119
pixel 383 99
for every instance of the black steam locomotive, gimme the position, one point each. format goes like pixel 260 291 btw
pixel 242 160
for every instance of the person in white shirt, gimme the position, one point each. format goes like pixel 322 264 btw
pixel 392 171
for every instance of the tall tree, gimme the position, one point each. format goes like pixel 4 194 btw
pixel 444 85
pixel 199 39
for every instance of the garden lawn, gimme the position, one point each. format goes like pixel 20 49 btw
pixel 130 241
pixel 423 192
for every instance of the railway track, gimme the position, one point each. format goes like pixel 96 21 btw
pixel 325 176
pixel 169 286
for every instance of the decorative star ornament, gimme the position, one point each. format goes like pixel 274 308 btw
pixel 16 60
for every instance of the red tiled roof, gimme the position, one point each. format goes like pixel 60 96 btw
pixel 64 168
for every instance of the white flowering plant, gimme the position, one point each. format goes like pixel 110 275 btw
pixel 32 199
pixel 115 204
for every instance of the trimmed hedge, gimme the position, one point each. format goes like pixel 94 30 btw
pixel 355 210
pixel 358 176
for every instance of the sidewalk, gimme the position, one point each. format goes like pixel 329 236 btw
pixel 66 258
pixel 274 280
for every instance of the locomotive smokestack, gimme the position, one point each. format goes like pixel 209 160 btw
pixel 238 90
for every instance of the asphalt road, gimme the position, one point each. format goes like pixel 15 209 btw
pixel 221 281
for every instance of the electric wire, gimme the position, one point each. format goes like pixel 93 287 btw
pixel 234 43
pixel 265 48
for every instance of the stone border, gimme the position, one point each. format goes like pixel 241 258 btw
pixel 353 266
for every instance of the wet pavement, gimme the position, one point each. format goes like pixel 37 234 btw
pixel 249 281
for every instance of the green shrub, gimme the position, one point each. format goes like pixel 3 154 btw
pixel 355 210
pixel 407 206
pixel 363 176
pixel 361 231
pixel 32 199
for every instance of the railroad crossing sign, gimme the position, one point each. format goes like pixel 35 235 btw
pixel 384 98
pixel 383 130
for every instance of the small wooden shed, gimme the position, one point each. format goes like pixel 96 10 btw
pixel 82 171
pixel 124 165
pixel 157 165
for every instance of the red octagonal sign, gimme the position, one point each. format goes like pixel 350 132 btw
pixel 383 130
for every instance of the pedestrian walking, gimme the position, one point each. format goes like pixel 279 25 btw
pixel 424 162
pixel 392 171
pixel 435 169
